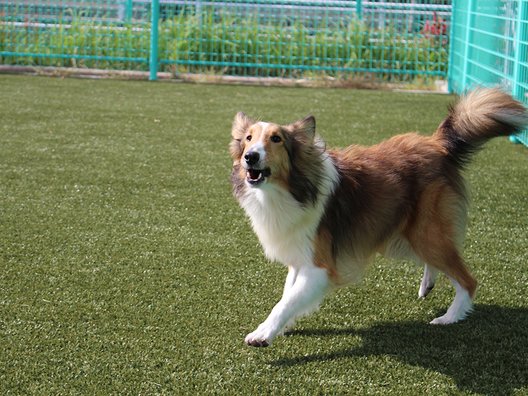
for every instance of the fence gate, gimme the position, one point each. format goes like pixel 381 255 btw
pixel 489 45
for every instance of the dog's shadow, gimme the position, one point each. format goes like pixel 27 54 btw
pixel 486 354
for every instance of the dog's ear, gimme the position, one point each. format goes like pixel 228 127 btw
pixel 241 123
pixel 305 126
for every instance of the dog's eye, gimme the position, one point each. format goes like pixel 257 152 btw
pixel 276 139
pixel 248 138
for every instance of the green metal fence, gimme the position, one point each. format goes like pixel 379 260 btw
pixel 389 40
pixel 489 45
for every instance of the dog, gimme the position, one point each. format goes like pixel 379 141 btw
pixel 325 213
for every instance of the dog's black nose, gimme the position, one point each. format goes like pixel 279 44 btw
pixel 252 157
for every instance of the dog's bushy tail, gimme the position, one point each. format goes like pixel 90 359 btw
pixel 478 116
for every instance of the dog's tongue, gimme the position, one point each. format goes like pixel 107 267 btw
pixel 254 174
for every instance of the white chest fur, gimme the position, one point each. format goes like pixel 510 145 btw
pixel 286 228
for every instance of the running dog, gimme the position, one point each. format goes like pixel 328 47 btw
pixel 326 213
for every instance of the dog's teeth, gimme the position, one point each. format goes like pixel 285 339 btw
pixel 254 174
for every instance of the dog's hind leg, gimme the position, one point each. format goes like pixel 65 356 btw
pixel 435 237
pixel 462 305
pixel 399 247
pixel 305 289
pixel 444 257
pixel 428 281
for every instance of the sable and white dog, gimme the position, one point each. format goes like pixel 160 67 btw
pixel 326 213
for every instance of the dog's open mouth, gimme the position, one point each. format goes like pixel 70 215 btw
pixel 257 176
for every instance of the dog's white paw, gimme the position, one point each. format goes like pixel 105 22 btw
pixel 448 319
pixel 257 339
pixel 442 320
pixel 458 311
pixel 261 337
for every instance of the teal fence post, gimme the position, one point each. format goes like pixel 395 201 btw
pixel 128 11
pixel 359 9
pixel 519 46
pixel 467 38
pixel 154 27
pixel 452 46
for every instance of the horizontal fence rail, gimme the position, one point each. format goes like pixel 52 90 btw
pixel 489 45
pixel 388 40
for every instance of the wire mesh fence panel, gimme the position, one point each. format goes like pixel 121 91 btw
pixel 489 45
pixel 74 33
pixel 390 40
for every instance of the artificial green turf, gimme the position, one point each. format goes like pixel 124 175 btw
pixel 128 268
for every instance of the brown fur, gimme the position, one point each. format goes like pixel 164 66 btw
pixel 404 196
pixel 296 161
pixel 384 193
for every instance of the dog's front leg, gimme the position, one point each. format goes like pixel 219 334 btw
pixel 304 290
pixel 290 280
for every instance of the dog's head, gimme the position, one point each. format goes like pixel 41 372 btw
pixel 263 151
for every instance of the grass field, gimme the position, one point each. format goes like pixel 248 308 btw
pixel 126 267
